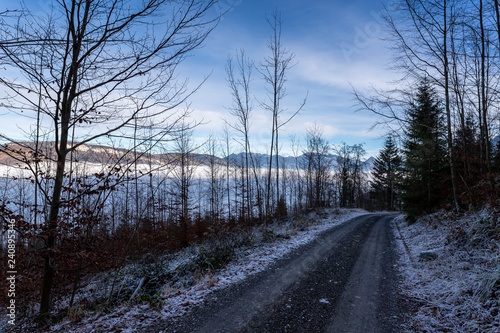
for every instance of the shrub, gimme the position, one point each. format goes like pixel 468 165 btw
pixel 214 257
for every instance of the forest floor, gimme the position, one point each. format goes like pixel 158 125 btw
pixel 177 283
pixel 451 271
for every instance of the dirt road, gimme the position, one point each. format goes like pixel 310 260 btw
pixel 345 281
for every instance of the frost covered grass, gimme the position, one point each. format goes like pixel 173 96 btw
pixel 451 271
pixel 169 286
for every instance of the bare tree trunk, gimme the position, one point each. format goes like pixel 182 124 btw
pixel 241 109
pixel 459 92
pixel 136 184
pixel 447 106
pixel 257 186
pixel 274 72
pixel 484 104
pixel 49 270
pixel 68 96
pixel 37 154
pixel 269 172
pixel 228 188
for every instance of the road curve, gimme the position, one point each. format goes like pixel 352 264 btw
pixel 344 281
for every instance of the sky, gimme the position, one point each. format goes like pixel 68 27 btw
pixel 336 45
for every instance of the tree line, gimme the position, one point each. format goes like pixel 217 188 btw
pixel 443 112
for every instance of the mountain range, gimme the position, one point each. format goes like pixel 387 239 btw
pixel 11 152
pixel 291 162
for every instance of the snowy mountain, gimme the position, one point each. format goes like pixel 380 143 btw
pixel 12 152
pixel 289 162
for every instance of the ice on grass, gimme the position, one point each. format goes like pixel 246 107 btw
pixel 459 290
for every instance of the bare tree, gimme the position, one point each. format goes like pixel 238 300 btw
pixel 357 174
pixel 349 175
pixel 297 175
pixel 215 175
pixel 274 70
pixel 227 154
pixel 239 80
pixel 182 179
pixel 318 167
pixel 105 64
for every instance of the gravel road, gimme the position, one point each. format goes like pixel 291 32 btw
pixel 344 281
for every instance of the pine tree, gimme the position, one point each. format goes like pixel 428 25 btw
pixel 386 169
pixel 425 183
pixel 467 148
pixel 467 153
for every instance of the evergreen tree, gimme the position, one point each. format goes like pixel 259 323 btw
pixel 496 159
pixel 467 153
pixel 385 175
pixel 467 147
pixel 425 182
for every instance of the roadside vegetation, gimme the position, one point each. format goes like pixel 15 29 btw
pixel 168 285
pixel 451 271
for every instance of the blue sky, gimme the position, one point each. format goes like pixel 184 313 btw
pixel 336 44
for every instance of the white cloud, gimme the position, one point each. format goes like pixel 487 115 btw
pixel 330 68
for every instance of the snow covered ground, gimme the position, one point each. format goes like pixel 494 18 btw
pixel 176 301
pixel 450 268
pixel 459 290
